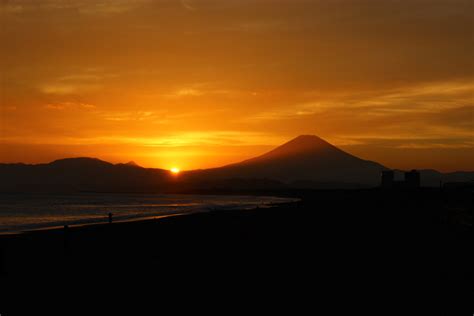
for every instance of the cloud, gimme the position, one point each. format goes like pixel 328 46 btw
pixel 198 138
pixel 345 70
pixel 69 105
pixel 129 116
pixel 79 83
pixel 198 90
pixel 68 88
pixel 187 92
pixel 101 7
pixel 461 117
pixel 188 4
pixel 406 142
pixel 10 108
pixel 431 97
pixel 436 114
pixel 172 140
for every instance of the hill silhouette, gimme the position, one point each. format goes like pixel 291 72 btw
pixel 304 162
pixel 80 174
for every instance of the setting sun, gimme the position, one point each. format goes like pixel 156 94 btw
pixel 148 136
pixel 214 85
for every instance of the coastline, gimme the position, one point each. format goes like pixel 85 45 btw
pixel 139 220
pixel 91 224
pixel 333 240
pixel 29 216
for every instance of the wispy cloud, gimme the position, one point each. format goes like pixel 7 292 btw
pixel 69 105
pixel 197 90
pixel 129 116
pixel 438 114
pixel 234 138
pixel 102 7
pixel 188 4
pixel 68 88
pixel 85 80
pixel 176 140
pixel 423 98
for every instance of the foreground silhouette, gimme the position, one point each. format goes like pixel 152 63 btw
pixel 404 251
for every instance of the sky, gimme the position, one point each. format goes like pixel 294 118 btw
pixel 203 83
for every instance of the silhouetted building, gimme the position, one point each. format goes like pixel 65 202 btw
pixel 412 180
pixel 388 177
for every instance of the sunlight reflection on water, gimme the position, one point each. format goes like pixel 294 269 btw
pixel 19 212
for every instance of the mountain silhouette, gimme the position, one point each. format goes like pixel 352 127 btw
pixel 132 163
pixel 305 158
pixel 304 162
pixel 80 174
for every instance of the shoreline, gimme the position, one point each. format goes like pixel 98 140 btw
pixel 337 240
pixel 178 209
pixel 79 225
pixel 139 219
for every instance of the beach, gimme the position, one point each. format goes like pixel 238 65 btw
pixel 339 242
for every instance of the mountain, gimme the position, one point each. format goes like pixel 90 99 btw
pixel 304 162
pixel 306 158
pixel 131 164
pixel 80 174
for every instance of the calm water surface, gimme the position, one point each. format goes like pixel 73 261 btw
pixel 20 212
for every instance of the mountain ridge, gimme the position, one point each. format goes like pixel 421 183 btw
pixel 306 160
pixel 306 157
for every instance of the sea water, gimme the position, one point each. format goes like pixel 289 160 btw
pixel 21 212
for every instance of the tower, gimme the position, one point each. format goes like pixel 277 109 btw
pixel 412 179
pixel 387 180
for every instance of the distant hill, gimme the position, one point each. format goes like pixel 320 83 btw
pixel 304 162
pixel 80 174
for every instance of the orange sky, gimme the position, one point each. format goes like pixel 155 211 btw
pixel 197 84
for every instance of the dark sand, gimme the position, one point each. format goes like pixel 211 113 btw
pixel 349 251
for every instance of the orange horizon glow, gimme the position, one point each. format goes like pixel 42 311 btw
pixel 165 85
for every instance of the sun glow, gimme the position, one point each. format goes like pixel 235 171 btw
pixel 175 170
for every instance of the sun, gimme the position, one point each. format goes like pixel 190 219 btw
pixel 175 170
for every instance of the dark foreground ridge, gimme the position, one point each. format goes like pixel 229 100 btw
pixel 371 251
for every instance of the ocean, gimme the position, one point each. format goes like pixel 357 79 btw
pixel 22 212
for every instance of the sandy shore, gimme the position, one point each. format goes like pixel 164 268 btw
pixel 337 241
